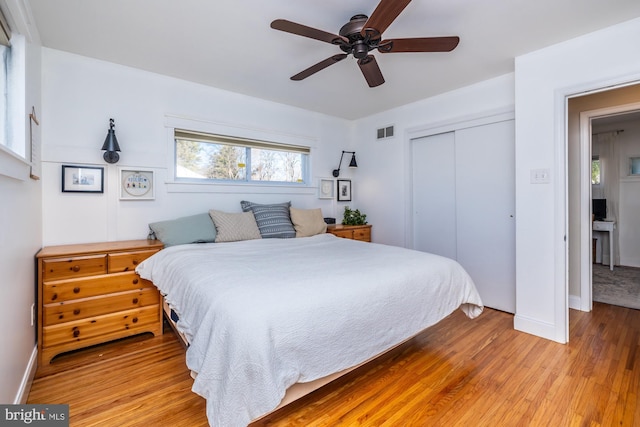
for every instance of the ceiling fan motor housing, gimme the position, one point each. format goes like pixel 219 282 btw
pixel 358 45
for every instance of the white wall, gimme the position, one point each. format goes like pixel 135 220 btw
pixel 383 179
pixel 20 239
pixel 629 207
pixel 79 96
pixel 543 81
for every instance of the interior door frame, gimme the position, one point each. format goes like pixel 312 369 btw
pixel 586 271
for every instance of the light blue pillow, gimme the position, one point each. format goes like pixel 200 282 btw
pixel 189 229
pixel 273 220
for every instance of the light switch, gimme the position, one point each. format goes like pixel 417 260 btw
pixel 540 176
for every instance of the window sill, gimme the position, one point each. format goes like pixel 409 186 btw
pixel 13 166
pixel 244 188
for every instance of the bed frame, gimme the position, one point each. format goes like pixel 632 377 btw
pixel 294 392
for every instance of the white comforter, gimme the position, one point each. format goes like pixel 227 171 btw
pixel 261 315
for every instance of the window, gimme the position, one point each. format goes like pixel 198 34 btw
pixel 595 170
pixel 219 158
pixel 5 62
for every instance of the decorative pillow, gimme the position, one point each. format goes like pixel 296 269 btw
pixel 189 229
pixel 273 220
pixel 232 227
pixel 308 222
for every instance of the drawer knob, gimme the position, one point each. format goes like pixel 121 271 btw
pixel 135 262
pixel 135 300
pixel 135 281
pixel 76 333
pixel 76 311
pixel 134 320
pixel 76 268
pixel 76 290
pixel 54 297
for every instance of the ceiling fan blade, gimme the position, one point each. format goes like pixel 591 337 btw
pixel 319 66
pixel 424 44
pixel 386 12
pixel 371 71
pixel 303 30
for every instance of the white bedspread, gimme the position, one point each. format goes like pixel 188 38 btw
pixel 261 315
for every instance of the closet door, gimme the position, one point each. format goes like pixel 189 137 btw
pixel 485 210
pixel 434 194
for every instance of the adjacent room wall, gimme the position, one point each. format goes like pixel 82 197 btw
pixel 20 239
pixel 544 79
pixel 79 96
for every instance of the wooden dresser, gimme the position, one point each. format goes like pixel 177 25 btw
pixel 355 232
pixel 90 293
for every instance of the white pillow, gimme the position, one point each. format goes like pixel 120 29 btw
pixel 232 227
pixel 308 222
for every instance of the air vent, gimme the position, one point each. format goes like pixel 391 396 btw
pixel 386 132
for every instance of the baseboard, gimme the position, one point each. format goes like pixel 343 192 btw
pixel 575 302
pixel 27 378
pixel 536 327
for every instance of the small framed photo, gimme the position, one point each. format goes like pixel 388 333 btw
pixel 634 166
pixel 82 179
pixel 326 188
pixel 136 185
pixel 344 190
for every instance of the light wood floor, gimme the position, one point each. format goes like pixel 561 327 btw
pixel 460 372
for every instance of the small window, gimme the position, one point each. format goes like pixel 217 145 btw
pixel 219 158
pixel 595 171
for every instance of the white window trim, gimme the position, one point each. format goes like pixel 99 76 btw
pixel 173 122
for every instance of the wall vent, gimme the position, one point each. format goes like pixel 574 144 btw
pixel 386 132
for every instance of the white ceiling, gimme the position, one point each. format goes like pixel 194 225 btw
pixel 229 44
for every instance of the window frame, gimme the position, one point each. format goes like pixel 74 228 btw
pixel 179 122
pixel 248 145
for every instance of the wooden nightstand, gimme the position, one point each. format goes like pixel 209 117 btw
pixel 355 232
pixel 90 293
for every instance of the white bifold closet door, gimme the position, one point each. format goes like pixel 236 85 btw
pixel 464 203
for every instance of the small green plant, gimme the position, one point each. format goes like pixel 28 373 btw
pixel 353 217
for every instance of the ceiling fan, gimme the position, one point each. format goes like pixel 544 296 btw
pixel 363 34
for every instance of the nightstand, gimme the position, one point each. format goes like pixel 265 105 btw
pixel 355 232
pixel 90 293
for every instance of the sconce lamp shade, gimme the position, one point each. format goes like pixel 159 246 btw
pixel 352 163
pixel 110 145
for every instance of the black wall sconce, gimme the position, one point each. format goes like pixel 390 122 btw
pixel 352 163
pixel 111 146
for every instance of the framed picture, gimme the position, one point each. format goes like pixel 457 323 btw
pixel 326 188
pixel 82 179
pixel 634 166
pixel 344 190
pixel 136 184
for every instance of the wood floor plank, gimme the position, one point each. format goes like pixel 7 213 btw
pixel 459 372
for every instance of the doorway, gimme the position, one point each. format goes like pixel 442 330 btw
pixel 583 112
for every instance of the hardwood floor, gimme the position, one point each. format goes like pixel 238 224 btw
pixel 459 372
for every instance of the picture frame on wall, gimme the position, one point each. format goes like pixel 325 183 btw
pixel 326 188
pixel 344 190
pixel 136 184
pixel 82 179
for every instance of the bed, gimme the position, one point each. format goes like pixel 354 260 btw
pixel 264 316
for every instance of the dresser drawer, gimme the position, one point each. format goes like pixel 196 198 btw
pixel 95 306
pixel 363 234
pixel 92 327
pixel 127 261
pixel 72 289
pixel 347 234
pixel 79 266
